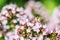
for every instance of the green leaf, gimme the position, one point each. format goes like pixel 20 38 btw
pixel 19 2
pixel 2 38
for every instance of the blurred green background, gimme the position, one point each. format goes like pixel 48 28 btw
pixel 49 4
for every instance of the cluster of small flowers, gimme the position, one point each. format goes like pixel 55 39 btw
pixel 23 24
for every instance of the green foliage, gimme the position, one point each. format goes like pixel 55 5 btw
pixel 2 38
pixel 50 5
pixel 53 36
pixel 19 2
pixel 2 3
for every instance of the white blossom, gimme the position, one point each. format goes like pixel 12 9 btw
pixel 4 22
pixel 40 37
pixel 28 30
pixel 19 9
pixel 34 38
pixel 30 24
pixel 5 27
pixel 21 38
pixel 14 21
pixel 22 27
pixel 17 15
